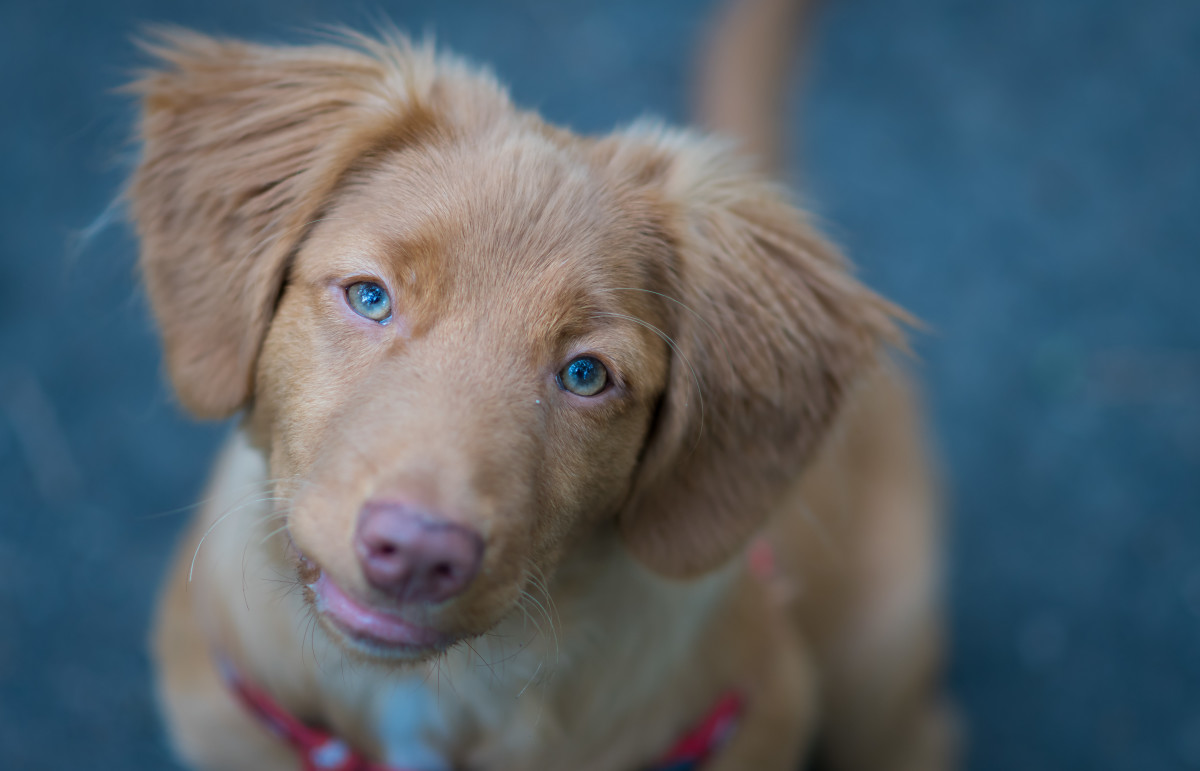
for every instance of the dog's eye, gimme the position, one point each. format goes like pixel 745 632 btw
pixel 369 300
pixel 584 376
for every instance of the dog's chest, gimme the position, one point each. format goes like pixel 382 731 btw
pixel 459 715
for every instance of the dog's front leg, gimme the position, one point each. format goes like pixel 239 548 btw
pixel 777 728
pixel 208 727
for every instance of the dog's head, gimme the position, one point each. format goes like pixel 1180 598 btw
pixel 470 342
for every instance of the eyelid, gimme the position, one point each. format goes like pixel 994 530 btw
pixel 347 280
pixel 609 366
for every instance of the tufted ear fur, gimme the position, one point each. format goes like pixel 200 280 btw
pixel 775 332
pixel 242 147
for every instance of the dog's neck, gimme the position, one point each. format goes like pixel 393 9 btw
pixel 601 643
pixel 604 643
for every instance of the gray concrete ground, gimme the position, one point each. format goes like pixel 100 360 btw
pixel 1023 174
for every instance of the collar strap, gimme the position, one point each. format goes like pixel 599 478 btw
pixel 705 738
pixel 318 750
pixel 322 751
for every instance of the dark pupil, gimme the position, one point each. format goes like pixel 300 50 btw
pixel 370 294
pixel 582 371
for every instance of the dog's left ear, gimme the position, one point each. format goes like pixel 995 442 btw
pixel 242 146
pixel 770 331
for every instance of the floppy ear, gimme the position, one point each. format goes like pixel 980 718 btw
pixel 242 146
pixel 775 332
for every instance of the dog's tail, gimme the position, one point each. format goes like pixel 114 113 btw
pixel 744 72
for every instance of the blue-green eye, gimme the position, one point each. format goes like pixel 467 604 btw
pixel 584 376
pixel 370 301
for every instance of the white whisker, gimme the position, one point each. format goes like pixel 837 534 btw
pixel 220 519
pixel 531 679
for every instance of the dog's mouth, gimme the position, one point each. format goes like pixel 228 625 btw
pixel 369 630
pixel 375 631
pixel 372 631
pixel 373 624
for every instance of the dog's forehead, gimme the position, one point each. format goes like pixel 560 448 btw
pixel 514 215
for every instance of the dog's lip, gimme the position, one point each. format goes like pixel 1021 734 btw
pixel 370 625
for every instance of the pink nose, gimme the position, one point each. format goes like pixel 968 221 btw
pixel 414 555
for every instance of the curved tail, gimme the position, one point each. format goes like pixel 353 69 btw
pixel 744 72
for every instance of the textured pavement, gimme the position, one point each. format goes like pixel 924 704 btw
pixel 1022 174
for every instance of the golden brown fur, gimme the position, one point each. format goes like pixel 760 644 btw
pixel 612 606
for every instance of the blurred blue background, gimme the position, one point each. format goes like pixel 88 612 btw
pixel 1023 174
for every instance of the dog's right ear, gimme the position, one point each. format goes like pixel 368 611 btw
pixel 243 146
pixel 770 332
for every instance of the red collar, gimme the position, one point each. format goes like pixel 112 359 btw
pixel 321 751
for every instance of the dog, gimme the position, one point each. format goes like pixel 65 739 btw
pixel 555 452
